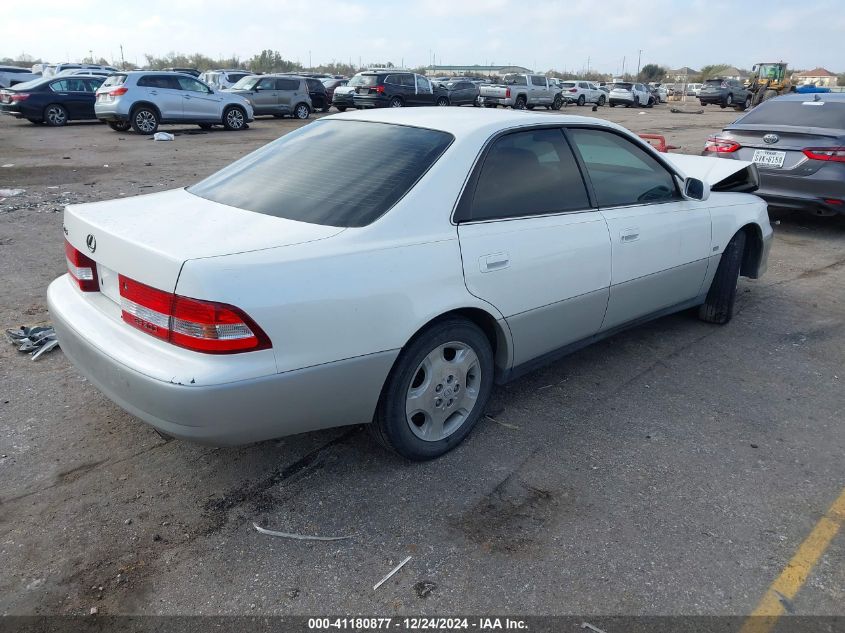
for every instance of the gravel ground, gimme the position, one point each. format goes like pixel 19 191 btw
pixel 672 469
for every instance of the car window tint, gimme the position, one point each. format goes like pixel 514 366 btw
pixel 407 80
pixel 806 113
pixel 622 173
pixel 335 173
pixel 315 86
pixel 287 84
pixel 516 80
pixel 537 80
pixel 268 83
pixel 528 173
pixel 92 84
pixel 392 79
pixel 191 85
pixel 59 86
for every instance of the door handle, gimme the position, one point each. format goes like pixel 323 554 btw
pixel 494 261
pixel 153 92
pixel 629 235
pixel 186 96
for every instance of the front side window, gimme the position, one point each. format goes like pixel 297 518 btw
pixel 423 85
pixel 537 80
pixel 528 173
pixel 407 81
pixel 334 173
pixel 621 172
pixel 191 85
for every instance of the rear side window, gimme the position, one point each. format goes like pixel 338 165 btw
pixel 516 80
pixel 334 173
pixel 168 82
pixel 537 80
pixel 287 84
pixel 621 172
pixel 114 80
pixel 528 173
pixel 809 113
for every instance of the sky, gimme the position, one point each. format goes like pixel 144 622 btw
pixel 538 34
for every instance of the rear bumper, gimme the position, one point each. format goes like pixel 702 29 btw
pixel 499 101
pixel 11 110
pixel 239 412
pixel 366 101
pixel 816 193
pixel 717 99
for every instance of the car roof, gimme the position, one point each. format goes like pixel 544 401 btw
pixel 465 122
pixel 823 96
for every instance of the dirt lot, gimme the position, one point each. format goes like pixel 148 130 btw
pixel 672 469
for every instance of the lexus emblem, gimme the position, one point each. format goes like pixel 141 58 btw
pixel 91 243
pixel 771 138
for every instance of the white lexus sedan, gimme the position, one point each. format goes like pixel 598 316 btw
pixel 389 267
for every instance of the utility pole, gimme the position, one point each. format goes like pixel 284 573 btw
pixel 309 60
pixel 122 60
pixel 623 67
pixel 588 65
pixel 639 58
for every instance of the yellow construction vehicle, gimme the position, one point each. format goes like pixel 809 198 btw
pixel 768 80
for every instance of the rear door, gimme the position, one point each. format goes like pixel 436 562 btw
pixel 532 243
pixel 661 243
pixel 165 92
pixel 73 94
pixel 290 92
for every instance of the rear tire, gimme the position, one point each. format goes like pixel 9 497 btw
pixel 557 104
pixel 729 101
pixel 341 108
pixel 448 364
pixel 443 102
pixel 718 307
pixel 144 120
pixel 120 126
pixel 302 111
pixel 745 105
pixel 582 100
pixel 602 100
pixel 520 103
pixel 396 102
pixel 55 115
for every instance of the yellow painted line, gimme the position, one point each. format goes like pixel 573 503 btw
pixel 793 577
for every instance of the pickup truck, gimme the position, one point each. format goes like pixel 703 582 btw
pixel 521 92
pixel 13 75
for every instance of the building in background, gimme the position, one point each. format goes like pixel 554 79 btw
pixel 817 76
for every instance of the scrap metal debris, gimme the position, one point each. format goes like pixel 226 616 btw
pixel 11 193
pixel 595 629
pixel 679 111
pixel 390 573
pixel 33 340
pixel 160 136
pixel 298 537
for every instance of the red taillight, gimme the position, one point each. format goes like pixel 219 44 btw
pixel 380 90
pixel 20 96
pixel 118 91
pixel 830 154
pixel 82 268
pixel 573 90
pixel 202 326
pixel 721 145
pixel 507 93
pixel 834 201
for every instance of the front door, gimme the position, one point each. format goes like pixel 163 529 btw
pixel 266 97
pixel 660 241
pixel 198 103
pixel 425 93
pixel 533 245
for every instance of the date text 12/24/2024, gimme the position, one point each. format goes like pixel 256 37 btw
pixel 417 624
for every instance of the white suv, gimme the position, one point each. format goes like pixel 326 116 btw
pixel 144 99
pixel 630 94
pixel 581 92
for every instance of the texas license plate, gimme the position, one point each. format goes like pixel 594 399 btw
pixel 768 158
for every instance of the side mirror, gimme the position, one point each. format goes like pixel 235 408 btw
pixel 695 189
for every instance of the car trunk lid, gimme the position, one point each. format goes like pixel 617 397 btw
pixel 791 141
pixel 148 238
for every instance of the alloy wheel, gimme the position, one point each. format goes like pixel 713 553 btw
pixel 145 120
pixel 235 119
pixel 56 115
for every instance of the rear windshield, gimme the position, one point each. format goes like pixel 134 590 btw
pixel 568 84
pixel 623 86
pixel 114 80
pixel 713 82
pixel 334 173
pixel 825 114
pixel 364 80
